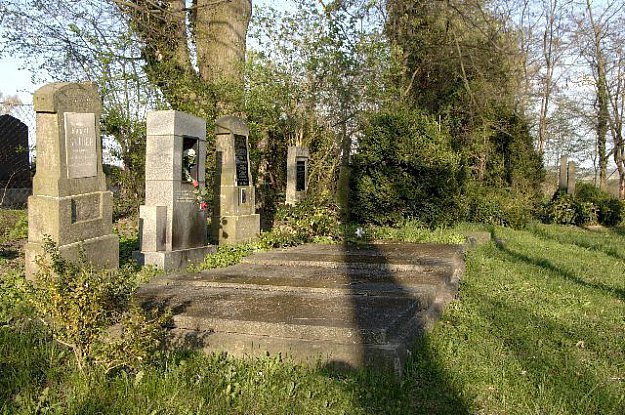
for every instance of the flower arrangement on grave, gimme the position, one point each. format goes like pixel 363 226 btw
pixel 189 160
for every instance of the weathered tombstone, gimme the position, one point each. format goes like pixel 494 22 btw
pixel 234 212
pixel 570 181
pixel 70 203
pixel 15 181
pixel 296 174
pixel 172 223
pixel 563 183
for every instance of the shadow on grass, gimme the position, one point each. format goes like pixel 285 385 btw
pixel 543 347
pixel 126 247
pixel 424 388
pixel 614 253
pixel 548 265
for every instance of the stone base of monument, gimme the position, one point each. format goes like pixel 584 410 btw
pixel 173 260
pixel 347 307
pixel 103 253
pixel 237 229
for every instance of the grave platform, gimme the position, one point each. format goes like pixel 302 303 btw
pixel 347 306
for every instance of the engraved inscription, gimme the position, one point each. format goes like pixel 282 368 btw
pixel 300 182
pixel 86 208
pixel 80 145
pixel 241 160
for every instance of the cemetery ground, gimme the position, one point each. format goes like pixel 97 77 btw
pixel 538 327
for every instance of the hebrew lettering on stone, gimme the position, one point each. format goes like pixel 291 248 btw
pixel 300 176
pixel 241 160
pixel 80 145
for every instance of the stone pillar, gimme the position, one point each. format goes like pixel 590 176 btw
pixel 563 182
pixel 570 180
pixel 70 202
pixel 234 212
pixel 172 223
pixel 296 174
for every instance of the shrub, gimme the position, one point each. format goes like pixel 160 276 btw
pixel 564 209
pixel 309 219
pixel 610 210
pixel 80 306
pixel 500 207
pixel 406 169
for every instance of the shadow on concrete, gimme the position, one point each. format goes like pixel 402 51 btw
pixel 424 387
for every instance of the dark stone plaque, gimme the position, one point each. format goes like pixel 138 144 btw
pixel 241 160
pixel 300 171
pixel 80 145
pixel 14 165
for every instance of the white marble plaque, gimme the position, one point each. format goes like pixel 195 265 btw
pixel 80 145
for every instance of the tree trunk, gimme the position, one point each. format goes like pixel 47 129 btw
pixel 213 83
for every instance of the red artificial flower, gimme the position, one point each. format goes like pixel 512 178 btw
pixel 203 205
pixel 195 183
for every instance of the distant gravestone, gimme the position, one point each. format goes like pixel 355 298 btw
pixel 70 203
pixel 172 223
pixel 234 211
pixel 297 174
pixel 15 180
pixel 563 178
pixel 570 178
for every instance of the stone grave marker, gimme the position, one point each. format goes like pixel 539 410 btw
pixel 563 178
pixel 70 202
pixel 234 212
pixel 297 174
pixel 570 178
pixel 172 223
pixel 15 180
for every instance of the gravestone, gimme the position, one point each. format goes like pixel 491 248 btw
pixel 234 211
pixel 563 179
pixel 570 178
pixel 70 202
pixel 15 181
pixel 297 174
pixel 172 223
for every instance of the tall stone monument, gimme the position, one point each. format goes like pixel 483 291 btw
pixel 70 203
pixel 15 181
pixel 296 174
pixel 172 223
pixel 563 178
pixel 234 211
pixel 570 178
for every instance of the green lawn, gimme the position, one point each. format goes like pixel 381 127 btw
pixel 538 328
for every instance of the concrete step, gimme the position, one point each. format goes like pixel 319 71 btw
pixel 301 315
pixel 309 277
pixel 354 306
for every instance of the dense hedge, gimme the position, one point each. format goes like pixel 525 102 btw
pixel 588 206
pixel 406 169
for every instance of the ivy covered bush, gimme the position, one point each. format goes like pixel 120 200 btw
pixel 502 207
pixel 589 206
pixel 610 210
pixel 405 169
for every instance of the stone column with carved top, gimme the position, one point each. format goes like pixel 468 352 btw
pixel 70 201
pixel 234 212
pixel 172 223
pixel 296 174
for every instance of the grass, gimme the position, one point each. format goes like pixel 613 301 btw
pixel 538 328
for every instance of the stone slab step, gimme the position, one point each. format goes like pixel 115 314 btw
pixel 311 316
pixel 378 257
pixel 309 277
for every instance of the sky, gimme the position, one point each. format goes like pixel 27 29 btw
pixel 14 80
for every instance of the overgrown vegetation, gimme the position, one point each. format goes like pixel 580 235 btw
pixel 538 323
pixel 588 206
